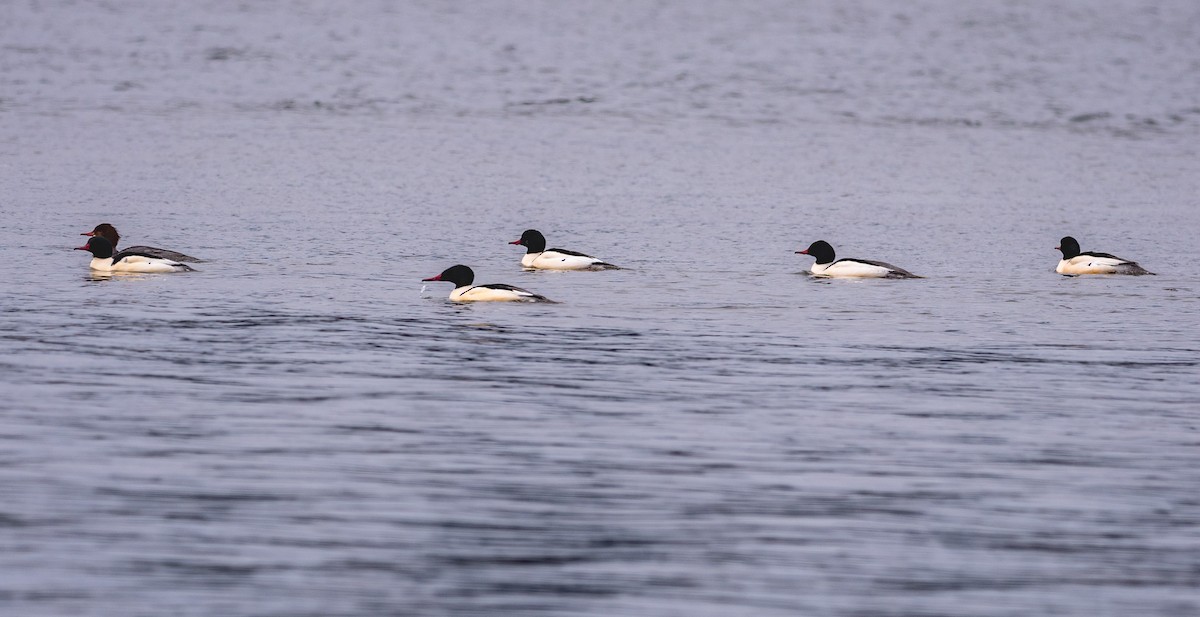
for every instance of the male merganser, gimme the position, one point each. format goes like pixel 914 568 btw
pixel 1074 262
pixel 539 258
pixel 104 261
pixel 108 232
pixel 850 268
pixel 464 291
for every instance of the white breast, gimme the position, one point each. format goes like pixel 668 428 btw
pixel 553 260
pixel 850 269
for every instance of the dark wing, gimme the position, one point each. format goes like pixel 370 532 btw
pixel 599 265
pixel 1127 267
pixel 566 252
pixel 532 296
pixel 135 251
pixel 508 287
pixel 157 253
pixel 138 251
pixel 896 271
pixel 1105 255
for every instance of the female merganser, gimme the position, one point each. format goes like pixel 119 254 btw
pixel 1075 262
pixel 464 291
pixel 539 258
pixel 850 268
pixel 104 261
pixel 108 232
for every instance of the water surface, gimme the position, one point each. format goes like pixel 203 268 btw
pixel 302 427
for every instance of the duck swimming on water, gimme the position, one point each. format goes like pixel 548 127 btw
pixel 464 291
pixel 1074 262
pixel 103 259
pixel 108 232
pixel 538 257
pixel 826 266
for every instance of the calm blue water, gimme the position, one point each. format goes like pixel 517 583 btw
pixel 302 427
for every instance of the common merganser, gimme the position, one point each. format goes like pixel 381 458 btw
pixel 850 268
pixel 108 232
pixel 104 261
pixel 538 257
pixel 464 291
pixel 1074 262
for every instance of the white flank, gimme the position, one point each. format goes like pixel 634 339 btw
pixel 849 269
pixel 468 293
pixel 136 263
pixel 553 260
pixel 1087 264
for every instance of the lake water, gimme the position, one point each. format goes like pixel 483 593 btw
pixel 302 427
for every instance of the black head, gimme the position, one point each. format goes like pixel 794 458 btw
pixel 1069 247
pixel 533 240
pixel 106 231
pixel 99 246
pixel 821 250
pixel 459 275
